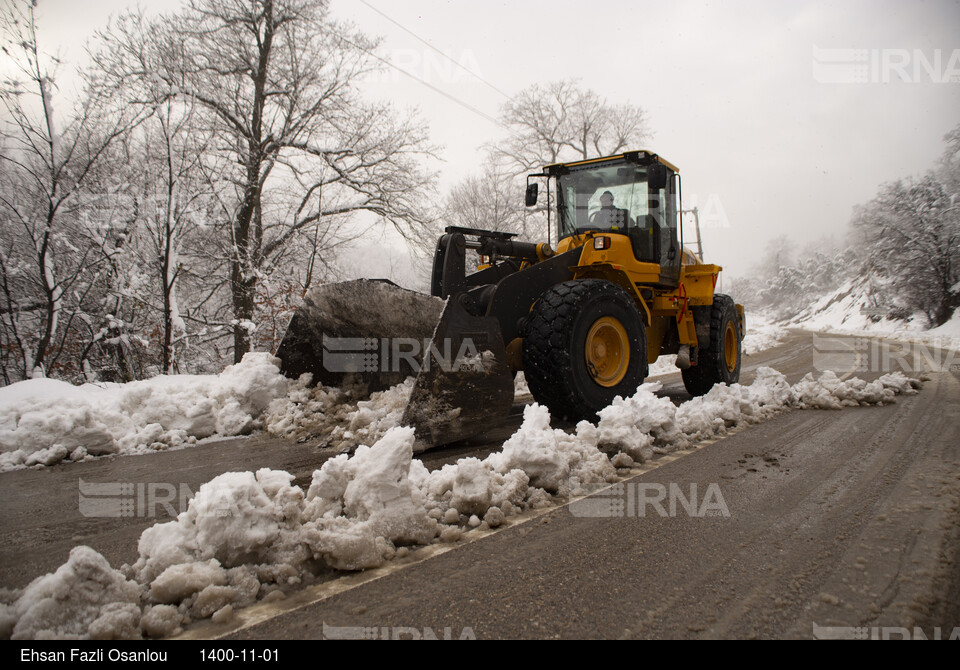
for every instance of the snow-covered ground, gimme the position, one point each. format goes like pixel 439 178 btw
pixel 850 310
pixel 249 536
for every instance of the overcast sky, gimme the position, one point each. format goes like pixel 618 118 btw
pixel 780 115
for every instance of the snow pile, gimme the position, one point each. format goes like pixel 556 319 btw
pixel 727 406
pixel 337 419
pixel 44 421
pixel 305 411
pixel 247 536
pixel 634 425
pixel 84 598
pixel 554 460
pixel 830 392
pixel 335 416
pixel 235 519
pixel 359 508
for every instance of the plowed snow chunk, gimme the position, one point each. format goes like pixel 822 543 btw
pixel 553 459
pixel 359 508
pixel 237 518
pixel 711 414
pixel 900 383
pixel 180 581
pixel 161 621
pixel 473 487
pixel 494 517
pixel 335 417
pixel 830 392
pixel 769 393
pixel 84 598
pixel 633 425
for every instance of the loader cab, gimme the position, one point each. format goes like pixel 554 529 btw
pixel 635 194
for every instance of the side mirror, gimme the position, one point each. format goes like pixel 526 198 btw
pixel 533 192
pixel 657 177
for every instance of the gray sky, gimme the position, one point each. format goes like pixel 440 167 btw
pixel 768 121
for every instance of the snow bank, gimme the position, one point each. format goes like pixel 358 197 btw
pixel 247 535
pixel 634 425
pixel 554 460
pixel 238 518
pixel 44 421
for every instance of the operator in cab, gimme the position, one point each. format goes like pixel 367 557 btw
pixel 609 217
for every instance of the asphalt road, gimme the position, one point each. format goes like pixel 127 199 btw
pixel 816 524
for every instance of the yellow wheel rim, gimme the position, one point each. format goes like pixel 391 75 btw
pixel 730 352
pixel 607 352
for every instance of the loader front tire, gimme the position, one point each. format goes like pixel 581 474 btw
pixel 719 361
pixel 584 344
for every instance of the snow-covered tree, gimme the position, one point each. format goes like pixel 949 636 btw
pixel 302 151
pixel 561 121
pixel 912 230
pixel 53 258
pixel 491 200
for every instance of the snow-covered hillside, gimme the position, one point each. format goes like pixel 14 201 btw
pixel 854 309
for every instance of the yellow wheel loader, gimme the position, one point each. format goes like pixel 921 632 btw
pixel 583 322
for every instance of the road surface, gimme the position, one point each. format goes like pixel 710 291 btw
pixel 812 524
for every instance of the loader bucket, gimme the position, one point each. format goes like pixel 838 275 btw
pixel 338 334
pixel 465 385
pixel 368 335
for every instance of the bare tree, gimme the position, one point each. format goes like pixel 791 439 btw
pixel 491 200
pixel 276 82
pixel 562 121
pixel 51 260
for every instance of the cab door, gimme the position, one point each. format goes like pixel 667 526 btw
pixel 665 208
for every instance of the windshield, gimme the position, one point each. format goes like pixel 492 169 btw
pixel 613 197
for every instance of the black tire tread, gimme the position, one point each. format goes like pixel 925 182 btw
pixel 546 356
pixel 711 366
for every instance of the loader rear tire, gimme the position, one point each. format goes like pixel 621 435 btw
pixel 719 361
pixel 584 344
